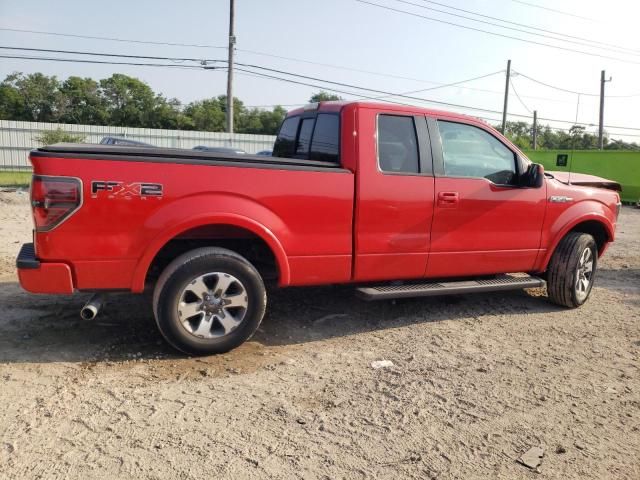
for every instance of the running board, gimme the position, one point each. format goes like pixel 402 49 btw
pixel 428 289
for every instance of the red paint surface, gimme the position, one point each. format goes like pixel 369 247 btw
pixel 322 227
pixel 49 278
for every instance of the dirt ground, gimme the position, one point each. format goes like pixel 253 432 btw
pixel 476 381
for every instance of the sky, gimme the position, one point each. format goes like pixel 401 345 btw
pixel 357 43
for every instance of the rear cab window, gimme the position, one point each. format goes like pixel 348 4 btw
pixel 304 137
pixel 285 145
pixel 310 137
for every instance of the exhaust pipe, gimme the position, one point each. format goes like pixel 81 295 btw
pixel 92 307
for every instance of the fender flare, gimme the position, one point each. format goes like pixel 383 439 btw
pixel 592 216
pixel 234 219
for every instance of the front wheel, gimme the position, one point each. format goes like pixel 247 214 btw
pixel 572 270
pixel 209 300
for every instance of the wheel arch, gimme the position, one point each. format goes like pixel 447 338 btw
pixel 596 225
pixel 234 220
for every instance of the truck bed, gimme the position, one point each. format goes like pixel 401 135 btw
pixel 301 209
pixel 177 155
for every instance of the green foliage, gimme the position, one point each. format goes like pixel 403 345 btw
pixel 576 138
pixel 49 137
pixel 82 102
pixel 123 101
pixel 323 96
pixel 34 97
pixel 261 121
pixel 130 101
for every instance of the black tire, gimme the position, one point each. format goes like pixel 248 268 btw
pixel 178 275
pixel 563 271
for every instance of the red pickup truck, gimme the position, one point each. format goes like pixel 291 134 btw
pixel 398 201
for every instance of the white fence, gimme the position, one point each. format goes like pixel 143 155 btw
pixel 17 138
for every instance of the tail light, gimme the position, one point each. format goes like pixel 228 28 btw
pixel 53 200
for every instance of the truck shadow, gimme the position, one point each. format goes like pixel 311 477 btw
pixel 38 328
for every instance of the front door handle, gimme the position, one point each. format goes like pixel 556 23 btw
pixel 448 199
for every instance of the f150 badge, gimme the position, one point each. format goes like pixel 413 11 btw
pixel 112 189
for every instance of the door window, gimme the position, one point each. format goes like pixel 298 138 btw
pixel 397 144
pixel 470 151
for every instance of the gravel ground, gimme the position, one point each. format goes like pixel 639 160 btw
pixel 476 381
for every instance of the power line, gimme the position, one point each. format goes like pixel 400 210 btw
pixel 373 90
pixel 78 60
pixel 414 98
pixel 195 67
pixel 260 67
pixel 531 27
pixel 340 84
pixel 205 61
pixel 544 35
pixel 445 85
pixel 573 91
pixel 111 39
pixel 466 27
pixel 101 54
pixel 357 94
pixel 518 97
pixel 254 52
pixel 553 10
pixel 541 127
pixel 451 7
pixel 557 88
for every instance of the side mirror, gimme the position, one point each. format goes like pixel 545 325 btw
pixel 533 177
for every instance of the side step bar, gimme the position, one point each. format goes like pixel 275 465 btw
pixel 428 289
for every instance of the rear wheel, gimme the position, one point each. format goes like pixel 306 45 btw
pixel 572 270
pixel 209 300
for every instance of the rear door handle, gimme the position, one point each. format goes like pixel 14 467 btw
pixel 448 199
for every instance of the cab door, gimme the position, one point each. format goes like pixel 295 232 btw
pixel 394 196
pixel 484 222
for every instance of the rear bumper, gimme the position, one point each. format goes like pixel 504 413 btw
pixel 42 277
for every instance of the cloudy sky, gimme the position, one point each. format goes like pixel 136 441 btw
pixel 391 49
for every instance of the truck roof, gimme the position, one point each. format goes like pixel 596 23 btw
pixel 337 105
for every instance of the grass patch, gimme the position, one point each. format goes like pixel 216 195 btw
pixel 14 179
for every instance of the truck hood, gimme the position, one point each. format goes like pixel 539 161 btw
pixel 584 180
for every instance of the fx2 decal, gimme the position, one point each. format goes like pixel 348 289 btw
pixel 112 189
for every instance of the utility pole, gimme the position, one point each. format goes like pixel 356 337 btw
pixel 232 43
pixel 535 129
pixel 601 126
pixel 506 97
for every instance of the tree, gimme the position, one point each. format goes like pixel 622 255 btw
pixel 82 102
pixel 121 100
pixel 519 133
pixel 49 137
pixel 39 97
pixel 11 102
pixel 258 121
pixel 168 114
pixel 206 115
pixel 130 102
pixel 271 120
pixel 323 96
